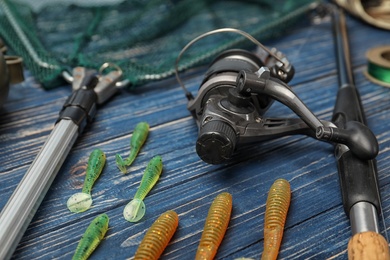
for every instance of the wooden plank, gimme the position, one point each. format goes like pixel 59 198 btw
pixel 316 228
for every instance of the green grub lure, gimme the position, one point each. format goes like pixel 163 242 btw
pixel 92 237
pixel 82 201
pixel 135 209
pixel 137 140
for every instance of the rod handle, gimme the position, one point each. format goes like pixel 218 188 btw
pixel 368 245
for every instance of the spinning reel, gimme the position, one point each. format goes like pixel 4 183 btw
pixel 239 87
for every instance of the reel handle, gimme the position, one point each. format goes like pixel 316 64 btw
pixel 358 137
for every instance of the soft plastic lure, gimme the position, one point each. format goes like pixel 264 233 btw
pixel 92 237
pixel 135 209
pixel 158 236
pixel 81 201
pixel 137 140
pixel 215 226
pixel 277 205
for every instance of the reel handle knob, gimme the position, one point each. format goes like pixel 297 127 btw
pixel 216 142
pixel 358 137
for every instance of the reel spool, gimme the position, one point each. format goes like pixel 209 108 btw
pixel 378 67
pixel 217 138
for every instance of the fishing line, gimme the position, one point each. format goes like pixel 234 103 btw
pixel 378 66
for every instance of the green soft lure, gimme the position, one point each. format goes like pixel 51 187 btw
pixel 135 209
pixel 137 140
pixel 92 237
pixel 82 201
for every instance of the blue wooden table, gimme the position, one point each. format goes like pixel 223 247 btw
pixel 316 227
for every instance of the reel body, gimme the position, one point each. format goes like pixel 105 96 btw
pixel 237 90
pixel 239 87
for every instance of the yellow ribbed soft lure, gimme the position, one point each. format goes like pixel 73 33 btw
pixel 215 226
pixel 158 236
pixel 277 205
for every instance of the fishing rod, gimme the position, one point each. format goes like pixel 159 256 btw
pixel 358 177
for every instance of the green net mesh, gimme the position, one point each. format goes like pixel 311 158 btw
pixel 142 37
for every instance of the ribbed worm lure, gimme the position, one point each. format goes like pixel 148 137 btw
pixel 82 201
pixel 215 226
pixel 137 140
pixel 92 237
pixel 277 205
pixel 158 236
pixel 135 209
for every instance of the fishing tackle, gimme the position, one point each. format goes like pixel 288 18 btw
pixel 237 90
pixel 137 140
pixel 82 201
pixel 277 205
pixel 92 237
pixel 158 236
pixel 215 226
pixel 135 209
pixel 378 66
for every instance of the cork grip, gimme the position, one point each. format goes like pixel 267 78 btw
pixel 368 245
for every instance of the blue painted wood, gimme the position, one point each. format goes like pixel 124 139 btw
pixel 316 228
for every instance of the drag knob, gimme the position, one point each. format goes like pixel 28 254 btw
pixel 216 142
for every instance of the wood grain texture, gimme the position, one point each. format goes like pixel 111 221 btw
pixel 316 227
